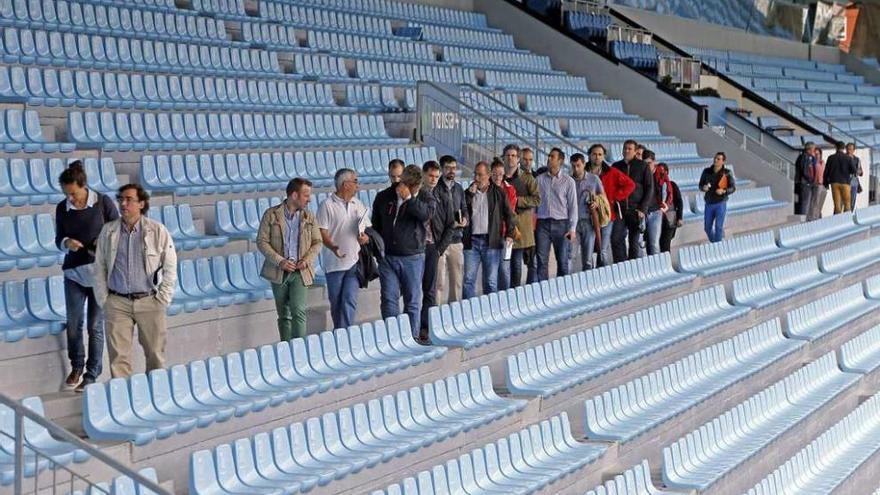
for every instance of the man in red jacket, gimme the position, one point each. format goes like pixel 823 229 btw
pixel 618 186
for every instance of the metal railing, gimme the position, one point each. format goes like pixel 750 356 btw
pixel 616 32
pixel 778 162
pixel 682 71
pixel 473 125
pixel 64 478
pixel 584 7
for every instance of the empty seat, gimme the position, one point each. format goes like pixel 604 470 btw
pixel 831 458
pixel 861 354
pixel 704 456
pixel 869 217
pixel 522 462
pixel 810 234
pixel 764 288
pixel 20 131
pixel 484 319
pixel 27 241
pixel 744 201
pixel 731 254
pixel 351 439
pixel 851 258
pixel 677 387
pixel 242 382
pixel 828 314
pixel 634 481
pixel 567 362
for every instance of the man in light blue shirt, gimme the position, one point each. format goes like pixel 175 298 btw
pixel 557 216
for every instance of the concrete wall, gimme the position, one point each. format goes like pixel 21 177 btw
pixel 639 94
pixel 691 32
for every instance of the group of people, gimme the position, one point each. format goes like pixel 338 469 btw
pixel 426 238
pixel 814 177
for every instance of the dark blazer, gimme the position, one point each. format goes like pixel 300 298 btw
pixel 403 231
pixel 442 219
pixel 677 202
pixel 839 169
pixel 500 215
pixel 455 197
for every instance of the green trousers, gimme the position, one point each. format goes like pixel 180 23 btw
pixel 290 303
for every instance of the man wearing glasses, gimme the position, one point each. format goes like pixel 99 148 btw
pixel 135 275
pixel 342 219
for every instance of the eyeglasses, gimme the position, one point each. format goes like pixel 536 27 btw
pixel 127 199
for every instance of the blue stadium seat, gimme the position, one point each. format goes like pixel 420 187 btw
pixel 634 481
pixel 849 259
pixel 861 354
pixel 704 456
pixel 730 254
pixel 869 217
pixel 826 230
pixel 829 313
pixel 666 393
pixel 484 319
pixel 765 288
pixel 564 363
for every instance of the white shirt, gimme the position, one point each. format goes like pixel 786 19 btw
pixel 343 222
pixel 480 213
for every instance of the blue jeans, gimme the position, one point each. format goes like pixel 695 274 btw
pixel 480 254
pixel 342 288
pixel 713 220
pixel 517 259
pixel 854 191
pixel 402 275
pixel 654 225
pixel 587 239
pixel 552 232
pixel 605 258
pixel 503 273
pixel 75 299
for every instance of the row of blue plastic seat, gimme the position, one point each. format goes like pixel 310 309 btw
pixel 312 17
pixel 479 38
pixel 35 307
pixel 634 481
pixel 379 97
pixel 369 47
pixel 136 131
pixel 730 254
pixel 574 105
pixel 21 131
pixel 401 10
pixel 121 485
pixel 488 318
pixel 143 408
pixel 677 387
pixel 41 450
pixel 639 55
pixel 98 89
pixel 536 83
pixel 523 462
pixel 234 7
pixel 829 313
pixel 744 201
pixel 823 231
pixel 117 20
pixel 564 363
pixel 387 71
pixel 321 449
pixel 830 459
pixel 626 128
pixel 35 181
pixel 588 25
pixel 486 59
pixel 862 354
pixel 242 172
pixel 27 46
pixel 27 241
pixel 701 458
pixel 851 258
pixel 768 287
pixel 178 219
pixel 326 68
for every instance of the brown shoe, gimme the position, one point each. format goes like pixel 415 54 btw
pixel 86 381
pixel 73 379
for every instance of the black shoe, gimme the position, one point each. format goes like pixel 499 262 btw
pixel 73 379
pixel 86 381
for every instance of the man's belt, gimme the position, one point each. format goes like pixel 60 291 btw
pixel 134 295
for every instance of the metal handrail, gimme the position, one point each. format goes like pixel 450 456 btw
pixel 831 125
pixel 585 6
pixel 520 114
pixel 784 161
pixel 21 412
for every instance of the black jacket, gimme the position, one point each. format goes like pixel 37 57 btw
pixel 677 202
pixel 642 197
pixel 839 169
pixel 800 168
pixel 369 257
pixel 455 201
pixel 403 231
pixel 442 219
pixel 712 179
pixel 500 214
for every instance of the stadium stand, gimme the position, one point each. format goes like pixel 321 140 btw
pixel 578 384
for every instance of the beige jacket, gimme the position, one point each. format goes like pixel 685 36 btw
pixel 160 259
pixel 270 242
